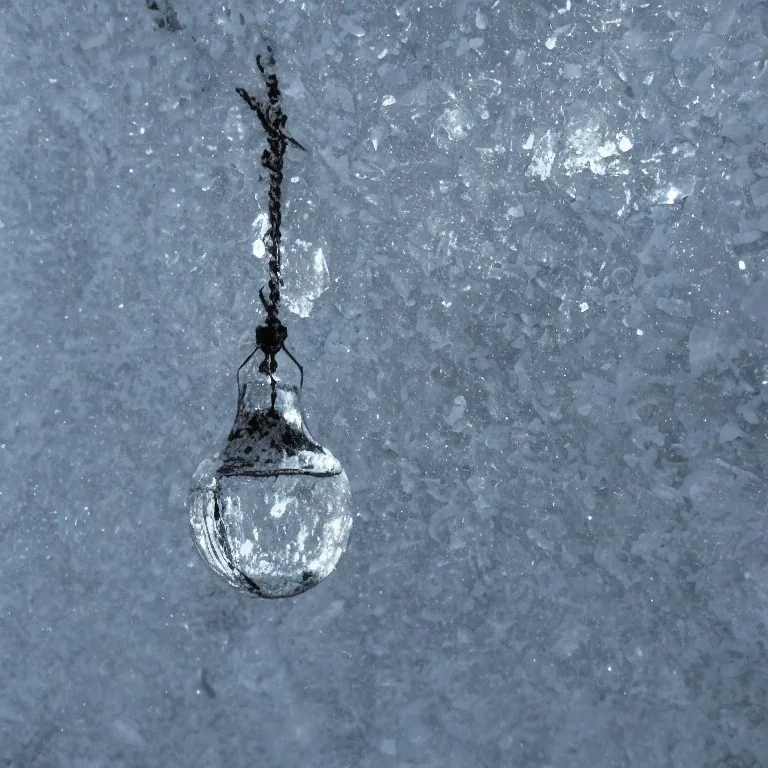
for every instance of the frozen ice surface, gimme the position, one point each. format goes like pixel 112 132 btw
pixel 560 557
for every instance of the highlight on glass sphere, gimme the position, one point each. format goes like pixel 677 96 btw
pixel 270 512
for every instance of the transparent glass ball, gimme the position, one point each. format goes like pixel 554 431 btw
pixel 270 511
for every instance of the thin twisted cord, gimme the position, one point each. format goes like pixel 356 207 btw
pixel 273 121
pixel 271 336
pixel 272 160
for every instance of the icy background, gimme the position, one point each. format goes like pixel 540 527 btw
pixel 527 256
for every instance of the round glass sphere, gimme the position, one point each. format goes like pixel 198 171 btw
pixel 270 511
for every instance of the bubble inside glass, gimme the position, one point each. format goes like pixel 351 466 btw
pixel 270 512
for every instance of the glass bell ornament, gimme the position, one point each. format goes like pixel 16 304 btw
pixel 270 512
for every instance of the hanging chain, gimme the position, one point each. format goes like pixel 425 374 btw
pixel 272 334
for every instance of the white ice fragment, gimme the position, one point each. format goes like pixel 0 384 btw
pixel 457 412
pixel 627 199
pixel 246 548
pixel 639 332
pixel 589 150
pixel 260 226
pixel 294 87
pixel 481 20
pixel 279 507
pixel 301 538
pixel 383 53
pixel 583 306
pixel 538 538
pixel 306 277
pixel 292 414
pixel 543 158
pixel 528 142
pixel 742 265
pixel 550 43
pixel 348 24
pixel 388 101
pixel 625 144
pixel 456 124
pixel 672 193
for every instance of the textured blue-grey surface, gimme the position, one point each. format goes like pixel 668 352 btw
pixel 539 350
